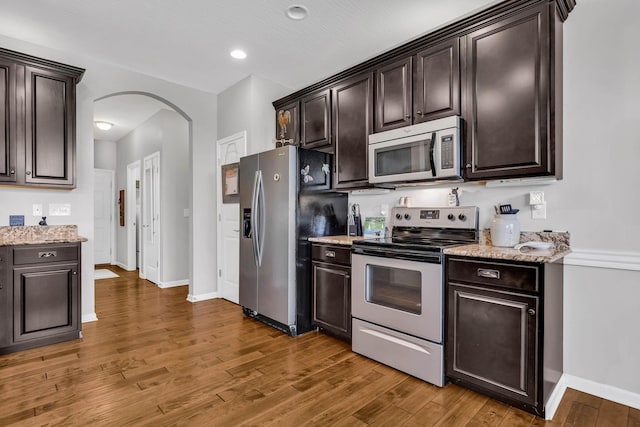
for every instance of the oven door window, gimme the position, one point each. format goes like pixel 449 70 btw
pixel 395 288
pixel 411 157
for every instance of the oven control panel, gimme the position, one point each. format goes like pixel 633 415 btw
pixel 450 217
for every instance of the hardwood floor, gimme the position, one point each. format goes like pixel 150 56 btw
pixel 153 358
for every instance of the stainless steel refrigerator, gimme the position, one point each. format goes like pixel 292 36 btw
pixel 280 207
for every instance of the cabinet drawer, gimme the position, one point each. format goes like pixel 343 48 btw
pixel 518 277
pixel 44 254
pixel 331 253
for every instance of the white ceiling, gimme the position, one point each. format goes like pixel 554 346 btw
pixel 188 42
pixel 126 112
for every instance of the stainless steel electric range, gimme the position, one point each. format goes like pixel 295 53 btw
pixel 397 288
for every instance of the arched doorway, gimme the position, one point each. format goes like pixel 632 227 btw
pixel 154 197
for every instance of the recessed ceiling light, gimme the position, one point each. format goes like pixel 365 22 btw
pixel 297 12
pixel 102 125
pixel 238 54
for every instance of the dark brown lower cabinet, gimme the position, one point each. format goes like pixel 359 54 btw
pixel 5 306
pixel 504 329
pixel 331 278
pixel 44 292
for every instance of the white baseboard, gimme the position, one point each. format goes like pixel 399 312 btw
pixel 124 266
pixel 603 391
pixel 554 400
pixel 89 317
pixel 202 297
pixel 173 284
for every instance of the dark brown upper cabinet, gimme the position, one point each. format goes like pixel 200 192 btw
pixel 513 96
pixel 419 88
pixel 316 120
pixel 287 124
pixel 37 145
pixel 7 121
pixel 352 124
pixel 393 95
pixel 436 87
pixel 49 127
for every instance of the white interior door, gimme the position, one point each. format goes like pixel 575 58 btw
pixel 132 212
pixel 103 211
pixel 151 218
pixel 229 150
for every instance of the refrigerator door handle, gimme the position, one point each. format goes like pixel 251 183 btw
pixel 261 218
pixel 255 217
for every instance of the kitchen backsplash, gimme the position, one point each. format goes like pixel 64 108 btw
pixel 373 203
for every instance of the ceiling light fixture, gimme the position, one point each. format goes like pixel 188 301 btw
pixel 238 54
pixel 102 125
pixel 297 12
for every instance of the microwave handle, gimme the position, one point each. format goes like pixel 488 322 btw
pixel 431 158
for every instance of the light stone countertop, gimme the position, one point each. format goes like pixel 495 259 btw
pixel 39 234
pixel 336 240
pixel 484 249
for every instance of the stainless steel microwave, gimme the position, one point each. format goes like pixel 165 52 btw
pixel 422 152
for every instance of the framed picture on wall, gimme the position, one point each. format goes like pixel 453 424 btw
pixel 230 184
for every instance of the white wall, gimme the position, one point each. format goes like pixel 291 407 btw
pixel 104 154
pixel 166 132
pixel 101 80
pixel 247 106
pixel 597 201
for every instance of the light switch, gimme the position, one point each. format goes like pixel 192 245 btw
pixel 59 209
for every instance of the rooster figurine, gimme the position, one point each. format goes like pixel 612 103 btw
pixel 284 118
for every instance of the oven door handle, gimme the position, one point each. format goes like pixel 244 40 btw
pixel 390 253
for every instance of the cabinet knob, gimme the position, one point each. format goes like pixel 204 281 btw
pixel 468 165
pixel 12 171
pixel 531 311
pixel 28 172
pixel 407 116
pixel 75 273
pixel 330 254
pixel 419 113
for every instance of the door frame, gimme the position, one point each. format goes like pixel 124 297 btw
pixel 241 137
pixel 130 212
pixel 158 192
pixel 112 213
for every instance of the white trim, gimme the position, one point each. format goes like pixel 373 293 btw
pixel 173 284
pixel 603 391
pixel 555 398
pixel 202 297
pixel 604 259
pixel 89 317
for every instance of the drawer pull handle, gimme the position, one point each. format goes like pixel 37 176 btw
pixel 330 254
pixel 489 274
pixel 49 254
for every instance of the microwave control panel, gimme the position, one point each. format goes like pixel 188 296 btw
pixel 446 156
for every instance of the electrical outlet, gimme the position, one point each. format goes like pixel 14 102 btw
pixel 37 209
pixel 539 211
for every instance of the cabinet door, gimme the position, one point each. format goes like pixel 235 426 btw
pixel 7 121
pixel 287 120
pixel 492 341
pixel 332 298
pixel 5 305
pixel 507 98
pixel 436 89
pixel 49 127
pixel 45 301
pixel 316 120
pixel 393 95
pixel 352 125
